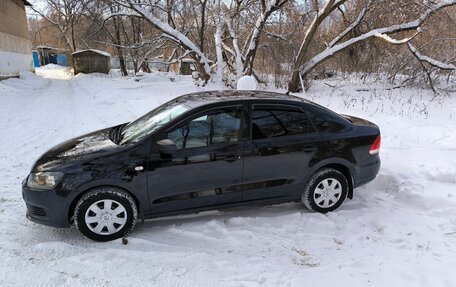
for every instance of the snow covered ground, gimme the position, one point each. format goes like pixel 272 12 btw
pixel 399 230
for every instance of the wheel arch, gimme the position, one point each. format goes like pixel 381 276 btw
pixel 344 167
pixel 81 194
pixel 346 172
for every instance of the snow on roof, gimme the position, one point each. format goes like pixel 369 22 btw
pixel 95 51
pixel 50 48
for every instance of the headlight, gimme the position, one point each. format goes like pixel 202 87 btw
pixel 44 180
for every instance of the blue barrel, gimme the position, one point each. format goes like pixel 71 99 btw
pixel 36 59
pixel 62 60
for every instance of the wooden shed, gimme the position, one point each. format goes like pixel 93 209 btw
pixel 91 61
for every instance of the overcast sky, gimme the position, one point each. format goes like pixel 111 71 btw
pixel 37 3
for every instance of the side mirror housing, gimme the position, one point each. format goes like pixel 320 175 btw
pixel 166 146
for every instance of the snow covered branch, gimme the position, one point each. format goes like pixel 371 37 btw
pixel 250 53
pixel 322 14
pixel 351 27
pixel 180 38
pixel 330 51
pixel 394 41
pixel 429 60
pixel 238 56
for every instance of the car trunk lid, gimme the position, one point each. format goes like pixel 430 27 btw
pixel 359 121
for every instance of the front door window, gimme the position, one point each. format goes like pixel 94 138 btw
pixel 217 127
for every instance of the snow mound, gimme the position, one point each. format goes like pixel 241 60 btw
pixel 246 83
pixel 92 75
pixel 152 77
pixel 25 75
pixel 54 71
pixel 51 67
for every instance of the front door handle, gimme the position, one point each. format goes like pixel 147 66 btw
pixel 232 157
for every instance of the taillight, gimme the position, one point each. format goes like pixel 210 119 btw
pixel 375 148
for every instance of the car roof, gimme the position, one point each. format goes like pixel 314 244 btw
pixel 207 97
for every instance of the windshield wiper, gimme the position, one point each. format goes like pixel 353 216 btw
pixel 111 133
pixel 120 132
pixel 115 134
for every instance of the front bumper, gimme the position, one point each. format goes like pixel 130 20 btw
pixel 46 206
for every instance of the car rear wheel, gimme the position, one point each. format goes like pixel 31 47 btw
pixel 325 191
pixel 105 214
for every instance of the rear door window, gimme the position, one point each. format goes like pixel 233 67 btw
pixel 272 122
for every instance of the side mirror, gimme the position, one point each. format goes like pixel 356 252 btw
pixel 166 146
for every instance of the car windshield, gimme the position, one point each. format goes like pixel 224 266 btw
pixel 152 121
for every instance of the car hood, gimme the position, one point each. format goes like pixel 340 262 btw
pixel 81 148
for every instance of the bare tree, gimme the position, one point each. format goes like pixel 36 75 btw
pixel 280 41
pixel 151 12
pixel 303 65
pixel 64 15
pixel 267 9
pixel 423 60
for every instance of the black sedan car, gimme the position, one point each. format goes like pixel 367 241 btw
pixel 203 151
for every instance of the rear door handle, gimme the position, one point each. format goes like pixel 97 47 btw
pixel 232 157
pixel 309 148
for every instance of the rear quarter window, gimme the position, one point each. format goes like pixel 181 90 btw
pixel 323 124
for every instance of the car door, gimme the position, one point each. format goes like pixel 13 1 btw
pixel 206 166
pixel 282 143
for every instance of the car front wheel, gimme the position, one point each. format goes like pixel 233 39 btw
pixel 325 191
pixel 105 214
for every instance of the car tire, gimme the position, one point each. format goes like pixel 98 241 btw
pixel 105 214
pixel 325 191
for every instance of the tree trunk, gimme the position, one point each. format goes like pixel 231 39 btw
pixel 203 24
pixel 237 50
pixel 218 48
pixel 145 66
pixel 119 51
pixel 123 66
pixel 294 83
pixel 218 43
pixel 267 10
pixel 178 37
pixel 73 40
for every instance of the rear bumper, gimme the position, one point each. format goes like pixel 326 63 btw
pixel 367 171
pixel 45 207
